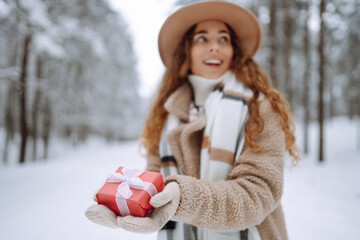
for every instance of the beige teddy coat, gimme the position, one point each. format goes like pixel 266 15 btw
pixel 251 194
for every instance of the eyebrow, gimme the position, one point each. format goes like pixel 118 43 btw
pixel 204 31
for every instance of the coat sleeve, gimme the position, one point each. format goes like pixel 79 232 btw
pixel 252 191
pixel 153 163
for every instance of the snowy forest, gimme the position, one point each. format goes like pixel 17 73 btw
pixel 67 69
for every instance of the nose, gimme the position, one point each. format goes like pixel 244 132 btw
pixel 214 47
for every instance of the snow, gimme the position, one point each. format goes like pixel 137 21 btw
pixel 37 12
pixel 4 9
pixel 9 72
pixel 47 199
pixel 45 43
pixel 322 201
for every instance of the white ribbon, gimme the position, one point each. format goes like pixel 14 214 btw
pixel 129 178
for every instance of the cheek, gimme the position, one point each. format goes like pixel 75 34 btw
pixel 195 59
pixel 229 53
pixel 194 54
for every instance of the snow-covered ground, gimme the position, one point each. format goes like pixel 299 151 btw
pixel 47 199
pixel 322 201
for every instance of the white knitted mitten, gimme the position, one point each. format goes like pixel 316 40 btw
pixel 101 215
pixel 165 203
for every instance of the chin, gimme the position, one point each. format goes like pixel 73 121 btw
pixel 209 74
pixel 215 75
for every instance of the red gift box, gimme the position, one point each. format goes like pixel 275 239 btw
pixel 128 191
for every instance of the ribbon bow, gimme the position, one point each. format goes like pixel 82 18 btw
pixel 129 178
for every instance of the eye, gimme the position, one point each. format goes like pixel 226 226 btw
pixel 224 39
pixel 201 39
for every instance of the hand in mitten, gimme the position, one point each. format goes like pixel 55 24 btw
pixel 165 203
pixel 101 215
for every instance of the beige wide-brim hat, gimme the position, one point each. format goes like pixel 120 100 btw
pixel 242 21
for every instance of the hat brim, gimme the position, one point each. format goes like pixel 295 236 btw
pixel 243 22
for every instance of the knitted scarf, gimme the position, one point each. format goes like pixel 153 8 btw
pixel 226 112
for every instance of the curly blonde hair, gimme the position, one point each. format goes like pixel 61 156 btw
pixel 244 68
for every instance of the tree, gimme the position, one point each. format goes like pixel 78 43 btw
pixel 287 47
pixel 273 39
pixel 306 90
pixel 23 102
pixel 322 80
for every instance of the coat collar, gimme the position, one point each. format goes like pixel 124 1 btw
pixel 179 101
pixel 185 140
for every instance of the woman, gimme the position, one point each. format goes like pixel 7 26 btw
pixel 217 131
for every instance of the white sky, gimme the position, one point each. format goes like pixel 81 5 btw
pixel 145 18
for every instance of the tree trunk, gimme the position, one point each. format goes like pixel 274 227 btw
pixel 35 108
pixel 22 92
pixel 358 125
pixel 6 149
pixel 322 79
pixel 331 112
pixel 9 119
pixel 358 133
pixel 10 103
pixel 273 42
pixel 287 50
pixel 47 123
pixel 9 123
pixel 306 92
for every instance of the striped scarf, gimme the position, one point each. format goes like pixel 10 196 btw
pixel 225 113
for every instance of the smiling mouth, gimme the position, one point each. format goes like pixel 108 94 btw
pixel 213 62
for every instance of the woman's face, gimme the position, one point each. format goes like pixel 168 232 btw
pixel 211 51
